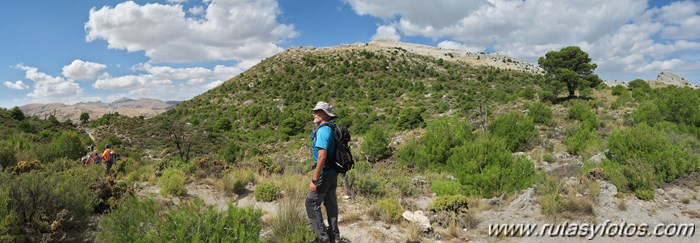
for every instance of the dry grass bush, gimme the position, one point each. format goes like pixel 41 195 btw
pixel 374 213
pixel 577 205
pixel 235 181
pixel 290 223
pixel 413 232
pixel 350 216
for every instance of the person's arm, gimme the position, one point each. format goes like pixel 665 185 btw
pixel 322 153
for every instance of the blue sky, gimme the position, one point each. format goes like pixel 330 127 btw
pixel 75 50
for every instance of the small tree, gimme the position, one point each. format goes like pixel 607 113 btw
pixel 375 145
pixel 570 66
pixel 17 114
pixel 84 117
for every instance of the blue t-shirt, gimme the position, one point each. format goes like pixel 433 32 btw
pixel 324 139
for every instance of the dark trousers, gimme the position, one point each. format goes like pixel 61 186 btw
pixel 109 166
pixel 325 193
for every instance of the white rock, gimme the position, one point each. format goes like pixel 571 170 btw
pixel 419 219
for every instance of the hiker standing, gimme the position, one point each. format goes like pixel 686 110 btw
pixel 109 156
pixel 96 158
pixel 324 181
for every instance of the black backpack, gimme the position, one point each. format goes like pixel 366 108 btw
pixel 343 161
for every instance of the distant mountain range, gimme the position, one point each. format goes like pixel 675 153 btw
pixel 125 106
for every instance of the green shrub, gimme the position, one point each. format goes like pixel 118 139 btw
pixel 548 157
pixel 515 128
pixel 486 167
pixel 403 184
pixel 583 142
pixel 621 100
pixel 9 228
pixel 36 199
pixel 390 210
pixel 452 203
pixel 66 145
pixel 639 84
pixel 581 112
pixel 646 158
pixel 136 221
pixel 172 182
pixel 647 112
pixel 433 148
pixel 7 155
pixel 367 184
pixel 540 113
pixel 679 105
pixel 267 192
pixel 231 153
pixel 223 124
pixel 446 187
pixel 618 90
pixel 410 118
pixel 375 145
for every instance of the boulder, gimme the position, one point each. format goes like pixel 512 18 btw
pixel 419 219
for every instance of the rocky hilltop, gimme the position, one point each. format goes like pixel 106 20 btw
pixel 472 58
pixel 129 107
pixel 663 79
pixel 670 78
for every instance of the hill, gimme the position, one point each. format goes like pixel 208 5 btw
pixel 142 107
pixel 369 84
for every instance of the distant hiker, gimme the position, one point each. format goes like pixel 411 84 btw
pixel 86 159
pixel 109 157
pixel 96 158
pixel 324 181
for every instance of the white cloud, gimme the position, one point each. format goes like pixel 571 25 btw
pixel 621 36
pixel 229 30
pixel 18 85
pixel 168 83
pixel 82 70
pixel 198 10
pixel 458 46
pixel 437 14
pixel 672 64
pixel 177 1
pixel 387 33
pixel 49 88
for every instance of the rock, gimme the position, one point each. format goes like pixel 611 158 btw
pixel 571 182
pixel 615 114
pixel 419 181
pixel 494 201
pixel 596 159
pixel 524 201
pixel 346 197
pixel 419 219
pixel 671 78
pixel 661 192
pixel 608 191
pixel 176 201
